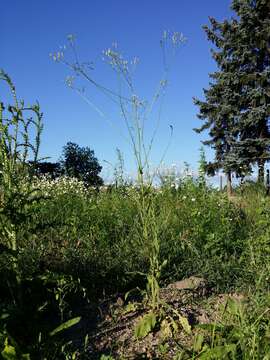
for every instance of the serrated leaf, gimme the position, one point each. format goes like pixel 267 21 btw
pixel 185 324
pixel 145 325
pixel 9 352
pixel 165 329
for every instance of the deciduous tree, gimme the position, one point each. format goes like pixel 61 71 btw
pixel 81 163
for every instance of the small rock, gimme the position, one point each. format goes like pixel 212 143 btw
pixel 119 301
pixel 191 283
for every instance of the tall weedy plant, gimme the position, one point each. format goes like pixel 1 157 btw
pixel 17 121
pixel 136 112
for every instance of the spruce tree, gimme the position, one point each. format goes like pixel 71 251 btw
pixel 236 108
pixel 253 55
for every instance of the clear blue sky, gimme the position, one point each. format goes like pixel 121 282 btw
pixel 31 29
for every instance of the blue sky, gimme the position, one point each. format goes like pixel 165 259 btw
pixel 32 29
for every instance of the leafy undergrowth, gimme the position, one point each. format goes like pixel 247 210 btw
pixel 77 247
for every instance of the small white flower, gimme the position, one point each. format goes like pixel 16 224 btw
pixel 193 199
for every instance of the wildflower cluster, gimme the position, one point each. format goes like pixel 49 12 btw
pixel 175 37
pixel 60 186
pixel 173 175
pixel 115 59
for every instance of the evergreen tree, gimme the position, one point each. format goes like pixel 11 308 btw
pixel 236 109
pixel 253 55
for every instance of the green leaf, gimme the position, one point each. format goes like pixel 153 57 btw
pixel 164 264
pixel 25 357
pixel 234 306
pixel 185 324
pixel 197 346
pixel 145 325
pixel 9 352
pixel 130 307
pixel 66 325
pixel 218 352
pixel 106 357
pixel 4 316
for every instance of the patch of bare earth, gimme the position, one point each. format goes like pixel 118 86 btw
pixel 190 298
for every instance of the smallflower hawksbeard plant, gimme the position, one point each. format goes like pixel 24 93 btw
pixel 135 112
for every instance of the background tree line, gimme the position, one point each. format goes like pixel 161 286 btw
pixel 78 162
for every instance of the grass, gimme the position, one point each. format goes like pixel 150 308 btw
pixel 79 246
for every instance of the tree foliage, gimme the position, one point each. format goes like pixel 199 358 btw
pixel 81 163
pixel 236 109
pixel 47 168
